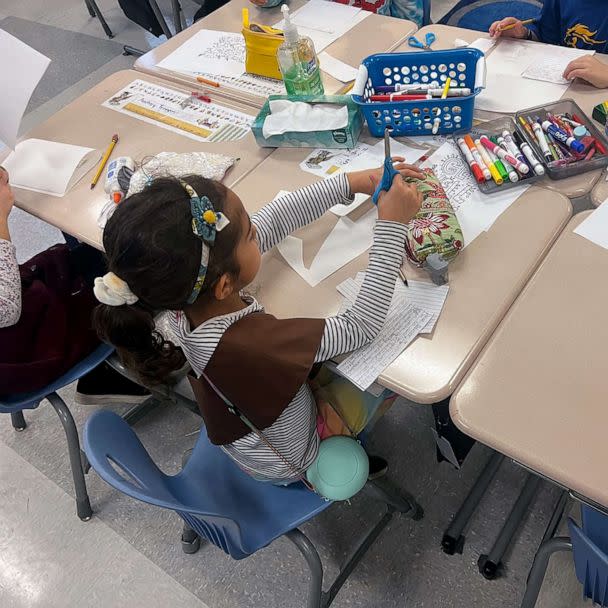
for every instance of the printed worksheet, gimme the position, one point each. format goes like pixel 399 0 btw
pixel 180 113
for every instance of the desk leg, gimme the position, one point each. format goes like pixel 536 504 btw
pixel 489 565
pixel 453 540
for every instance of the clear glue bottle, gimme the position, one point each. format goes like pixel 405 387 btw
pixel 298 61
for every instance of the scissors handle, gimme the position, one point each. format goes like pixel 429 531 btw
pixel 429 39
pixel 387 179
pixel 414 42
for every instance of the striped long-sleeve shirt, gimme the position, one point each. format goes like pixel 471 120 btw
pixel 294 434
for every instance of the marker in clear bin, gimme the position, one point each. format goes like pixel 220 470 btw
pixel 475 168
pixel 529 154
pixel 504 156
pixel 562 137
pixel 468 140
pixel 489 164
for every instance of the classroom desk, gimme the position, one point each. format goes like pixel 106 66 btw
pixel 484 280
pixel 537 392
pixel 600 192
pixel 85 122
pixel 584 94
pixel 375 34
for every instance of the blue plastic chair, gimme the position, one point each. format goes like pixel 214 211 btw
pixel 426 14
pixel 224 505
pixel 589 545
pixel 480 14
pixel 15 404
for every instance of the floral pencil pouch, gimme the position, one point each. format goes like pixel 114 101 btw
pixel 435 229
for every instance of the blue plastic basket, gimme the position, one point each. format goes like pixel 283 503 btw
pixel 465 66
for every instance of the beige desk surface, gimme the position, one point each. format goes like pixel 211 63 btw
pixel 484 280
pixel 537 393
pixel 85 122
pixel 600 191
pixel 375 34
pixel 585 95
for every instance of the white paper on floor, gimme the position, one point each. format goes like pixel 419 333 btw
pixel 476 212
pixel 595 227
pixel 345 242
pixel 22 69
pixel 49 167
pixel 326 163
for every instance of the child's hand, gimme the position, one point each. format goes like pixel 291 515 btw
pixel 6 195
pixel 401 203
pixel 367 180
pixel 517 31
pixel 590 69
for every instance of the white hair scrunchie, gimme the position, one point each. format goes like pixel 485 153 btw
pixel 113 291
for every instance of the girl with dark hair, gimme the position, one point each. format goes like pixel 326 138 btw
pixel 188 246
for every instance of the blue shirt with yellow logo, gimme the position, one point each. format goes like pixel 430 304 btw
pixel 577 23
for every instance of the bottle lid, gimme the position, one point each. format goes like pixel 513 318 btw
pixel 290 30
pixel 116 196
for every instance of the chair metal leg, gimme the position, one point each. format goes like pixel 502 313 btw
pixel 131 50
pixel 18 421
pixel 453 540
pixel 92 5
pixel 191 541
pixel 489 565
pixel 177 16
pixel 383 490
pixel 539 568
pixel 307 549
pixel 158 14
pixel 89 8
pixel 83 505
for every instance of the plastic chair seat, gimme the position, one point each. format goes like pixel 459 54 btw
pixel 216 498
pixel 30 401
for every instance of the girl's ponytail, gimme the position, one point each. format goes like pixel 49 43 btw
pixel 154 258
pixel 140 346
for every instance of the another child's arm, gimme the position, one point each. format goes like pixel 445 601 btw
pixel 297 209
pixel 590 69
pixel 362 323
pixel 10 282
pixel 547 28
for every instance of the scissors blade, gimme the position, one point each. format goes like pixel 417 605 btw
pixel 387 143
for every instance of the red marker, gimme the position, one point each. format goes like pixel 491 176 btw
pixel 200 97
pixel 490 145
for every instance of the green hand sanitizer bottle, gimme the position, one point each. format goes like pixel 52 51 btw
pixel 298 61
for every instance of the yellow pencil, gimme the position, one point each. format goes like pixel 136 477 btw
pixel 512 25
pixel 104 160
pixel 446 88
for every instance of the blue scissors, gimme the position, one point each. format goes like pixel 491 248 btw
pixel 428 42
pixel 389 170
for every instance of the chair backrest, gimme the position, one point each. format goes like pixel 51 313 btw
pixel 591 564
pixel 595 526
pixel 119 458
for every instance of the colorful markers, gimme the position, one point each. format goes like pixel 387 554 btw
pixel 475 168
pixel 529 154
pixel 562 137
pixel 503 155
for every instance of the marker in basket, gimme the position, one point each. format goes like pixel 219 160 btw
pixel 211 83
pixel 446 88
pixel 475 168
pixel 542 141
pixel 436 125
pixel 489 164
pixel 529 154
pixel 504 156
pixel 408 89
pixel 562 137
pixel 398 97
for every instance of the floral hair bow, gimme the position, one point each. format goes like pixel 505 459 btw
pixel 206 223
